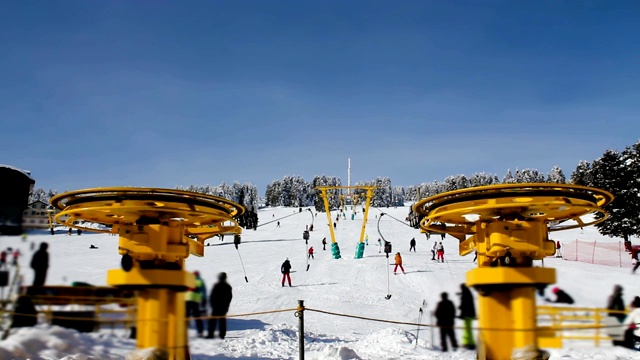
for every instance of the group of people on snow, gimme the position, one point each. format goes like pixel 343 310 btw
pixel 219 302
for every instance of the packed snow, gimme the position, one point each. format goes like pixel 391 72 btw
pixel 350 286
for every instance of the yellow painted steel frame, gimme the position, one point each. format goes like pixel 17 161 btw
pixel 508 227
pixel 325 198
pixel 159 229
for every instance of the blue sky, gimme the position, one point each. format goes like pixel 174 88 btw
pixel 159 93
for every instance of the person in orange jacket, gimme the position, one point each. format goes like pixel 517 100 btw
pixel 398 263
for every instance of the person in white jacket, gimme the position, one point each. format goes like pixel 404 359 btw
pixel 632 334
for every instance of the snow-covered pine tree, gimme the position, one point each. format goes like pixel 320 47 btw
pixel 556 176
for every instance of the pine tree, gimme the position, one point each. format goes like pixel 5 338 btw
pixel 556 176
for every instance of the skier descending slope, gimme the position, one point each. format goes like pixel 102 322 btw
pixel 440 251
pixel 398 263
pixel 285 269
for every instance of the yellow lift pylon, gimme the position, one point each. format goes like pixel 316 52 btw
pixel 324 194
pixel 158 229
pixel 508 226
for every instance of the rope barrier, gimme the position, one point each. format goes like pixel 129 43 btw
pixel 366 318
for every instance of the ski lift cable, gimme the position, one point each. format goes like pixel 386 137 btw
pixel 284 217
pixel 396 219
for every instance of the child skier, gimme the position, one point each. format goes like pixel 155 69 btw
pixel 398 263
pixel 311 253
pixel 440 251
pixel 434 248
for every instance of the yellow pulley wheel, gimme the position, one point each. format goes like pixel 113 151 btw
pixel 457 212
pixel 117 206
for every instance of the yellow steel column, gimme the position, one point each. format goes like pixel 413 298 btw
pixel 495 335
pixel 366 214
pixel 523 311
pixel 327 209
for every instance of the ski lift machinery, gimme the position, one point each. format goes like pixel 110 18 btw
pixel 508 226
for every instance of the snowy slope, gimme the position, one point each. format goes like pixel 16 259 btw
pixel 347 286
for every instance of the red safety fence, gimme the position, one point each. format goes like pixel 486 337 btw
pixel 610 253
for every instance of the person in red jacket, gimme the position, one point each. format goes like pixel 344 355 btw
pixel 311 253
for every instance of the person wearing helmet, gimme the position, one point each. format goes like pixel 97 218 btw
pixel 561 297
pixel 220 300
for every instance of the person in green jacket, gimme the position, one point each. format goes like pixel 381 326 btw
pixel 197 299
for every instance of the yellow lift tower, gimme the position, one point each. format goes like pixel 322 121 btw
pixel 508 226
pixel 158 229
pixel 324 193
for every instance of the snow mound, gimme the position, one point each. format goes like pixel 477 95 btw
pixel 54 343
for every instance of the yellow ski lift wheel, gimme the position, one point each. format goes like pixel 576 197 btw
pixel 143 206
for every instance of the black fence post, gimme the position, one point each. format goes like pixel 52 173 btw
pixel 300 315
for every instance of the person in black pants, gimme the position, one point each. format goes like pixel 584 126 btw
pixel 220 300
pixel 40 264
pixel 412 245
pixel 445 317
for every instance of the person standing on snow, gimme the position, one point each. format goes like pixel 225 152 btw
pixel 434 248
pixel 616 303
pixel 398 263
pixel 324 244
pixel 16 256
pixel 445 317
pixel 220 300
pixel 40 264
pixel 311 253
pixel 412 245
pixel 195 298
pixel 3 259
pixel 366 239
pixel 285 269
pixel 440 251
pixel 467 314
pixel 632 334
pixel 635 257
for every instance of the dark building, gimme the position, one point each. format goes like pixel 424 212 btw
pixel 14 197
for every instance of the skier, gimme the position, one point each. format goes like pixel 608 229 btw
pixel 558 252
pixel 561 297
pixel 616 303
pixel 366 239
pixel 220 300
pixel 79 232
pixel 398 263
pixel 40 264
pixel 434 248
pixel 311 227
pixel 311 253
pixel 70 231
pixel 3 259
pixel 278 225
pixel 635 257
pixel 285 269
pixel 52 231
pixel 334 225
pixel 412 245
pixel 445 316
pixel 379 246
pixel 195 298
pixel 440 251
pixel 632 334
pixel 16 256
pixel 324 243
pixel 467 314
pixel 442 235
